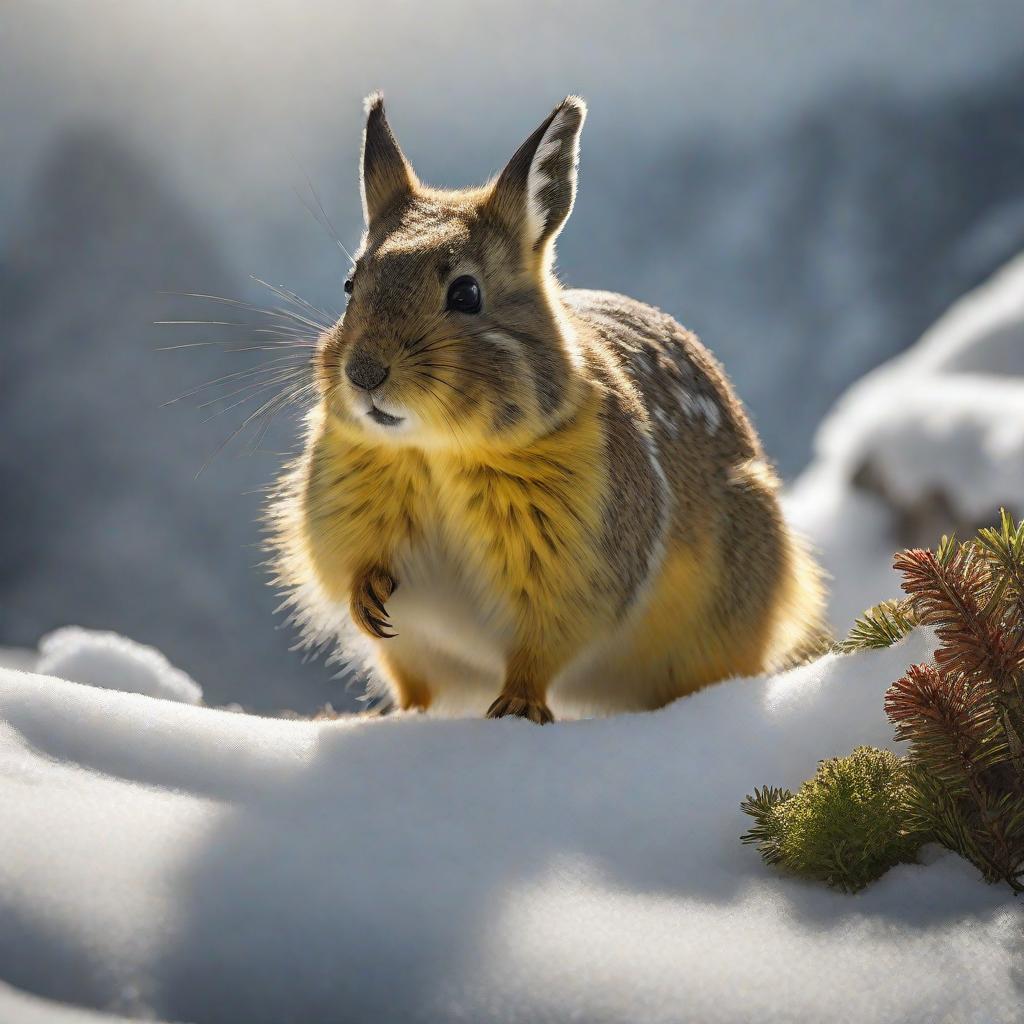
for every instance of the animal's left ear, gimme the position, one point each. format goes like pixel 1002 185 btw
pixel 536 190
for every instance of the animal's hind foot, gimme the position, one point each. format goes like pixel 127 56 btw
pixel 519 707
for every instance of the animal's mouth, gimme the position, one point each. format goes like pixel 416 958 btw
pixel 385 419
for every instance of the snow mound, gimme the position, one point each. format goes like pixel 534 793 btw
pixel 960 440
pixel 115 663
pixel 160 860
pixel 19 1008
pixel 930 443
pixel 983 332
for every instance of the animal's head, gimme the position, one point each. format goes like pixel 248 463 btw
pixel 453 334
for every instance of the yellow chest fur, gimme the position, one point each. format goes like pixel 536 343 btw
pixel 513 535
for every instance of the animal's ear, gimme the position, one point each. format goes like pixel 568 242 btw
pixel 385 173
pixel 536 190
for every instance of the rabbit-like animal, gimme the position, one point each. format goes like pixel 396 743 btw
pixel 527 497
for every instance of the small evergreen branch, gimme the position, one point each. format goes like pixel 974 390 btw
pixel 880 626
pixel 1003 546
pixel 952 724
pixel 767 832
pixel 845 827
pixel 964 718
pixel 947 589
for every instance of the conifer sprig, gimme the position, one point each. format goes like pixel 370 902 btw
pixel 964 718
pixel 952 724
pixel 953 589
pixel 844 827
pixel 1003 546
pixel 879 627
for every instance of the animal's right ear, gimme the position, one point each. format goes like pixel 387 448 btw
pixel 385 173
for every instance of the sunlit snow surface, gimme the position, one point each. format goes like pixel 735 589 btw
pixel 177 862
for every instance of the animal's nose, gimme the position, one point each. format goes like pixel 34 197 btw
pixel 366 372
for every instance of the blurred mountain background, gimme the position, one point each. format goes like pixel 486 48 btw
pixel 807 186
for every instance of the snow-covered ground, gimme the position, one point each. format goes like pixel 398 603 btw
pixel 931 441
pixel 164 860
pixel 170 861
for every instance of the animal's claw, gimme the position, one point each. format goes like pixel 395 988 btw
pixel 519 707
pixel 369 613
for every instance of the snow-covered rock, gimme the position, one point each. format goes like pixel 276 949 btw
pixel 931 442
pixel 983 332
pixel 163 860
pixel 114 662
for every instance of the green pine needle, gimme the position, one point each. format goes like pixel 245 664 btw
pixel 878 627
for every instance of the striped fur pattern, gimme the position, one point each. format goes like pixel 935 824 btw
pixel 554 504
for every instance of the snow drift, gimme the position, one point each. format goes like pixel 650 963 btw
pixel 160 859
pixel 114 662
pixel 931 442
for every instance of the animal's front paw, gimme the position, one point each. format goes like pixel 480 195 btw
pixel 519 707
pixel 369 593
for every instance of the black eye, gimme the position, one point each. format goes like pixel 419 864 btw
pixel 464 295
pixel 348 285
